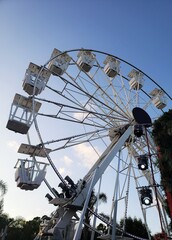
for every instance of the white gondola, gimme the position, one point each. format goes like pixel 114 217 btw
pixel 58 65
pixel 86 60
pixel 111 67
pixel 35 79
pixel 136 79
pixel 158 98
pixel 29 174
pixel 21 114
pixel 32 150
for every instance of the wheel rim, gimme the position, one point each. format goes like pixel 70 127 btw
pixel 90 109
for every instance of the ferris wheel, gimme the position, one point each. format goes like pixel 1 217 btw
pixel 96 110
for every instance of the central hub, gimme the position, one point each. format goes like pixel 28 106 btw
pixel 116 132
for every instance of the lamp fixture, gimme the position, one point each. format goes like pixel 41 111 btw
pixel 142 162
pixel 146 196
pixel 138 130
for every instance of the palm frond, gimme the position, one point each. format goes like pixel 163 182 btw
pixel 3 187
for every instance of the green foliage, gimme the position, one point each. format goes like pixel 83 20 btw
pixel 134 226
pixel 162 134
pixel 4 220
pixel 3 187
pixel 19 229
pixel 3 190
pixel 162 131
pixel 102 228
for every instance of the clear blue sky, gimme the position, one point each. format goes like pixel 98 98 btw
pixel 138 31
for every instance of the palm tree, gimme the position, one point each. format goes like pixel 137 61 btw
pixel 101 198
pixel 3 190
pixel 3 187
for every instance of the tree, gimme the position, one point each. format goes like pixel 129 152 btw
pixel 15 229
pixel 159 236
pixel 103 228
pixel 3 187
pixel 3 190
pixel 162 134
pixel 19 228
pixel 31 228
pixel 102 198
pixel 134 226
pixel 4 221
pixel 3 218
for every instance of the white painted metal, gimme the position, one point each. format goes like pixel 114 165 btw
pixel 99 100
pixel 29 174
pixel 33 150
pixel 86 60
pixel 158 98
pixel 136 79
pixel 22 113
pixel 112 66
pixel 35 79
pixel 59 63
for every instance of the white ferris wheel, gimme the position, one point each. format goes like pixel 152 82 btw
pixel 82 100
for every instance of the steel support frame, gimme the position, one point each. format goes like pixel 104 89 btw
pixel 91 179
